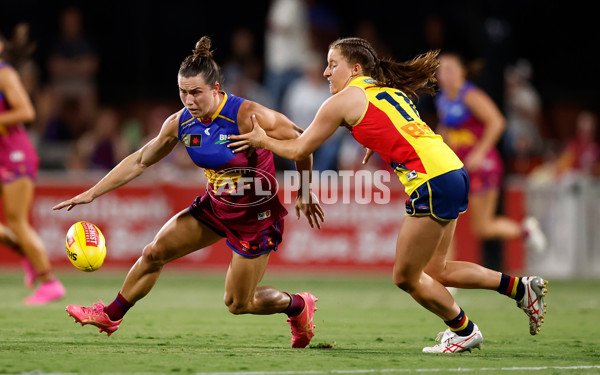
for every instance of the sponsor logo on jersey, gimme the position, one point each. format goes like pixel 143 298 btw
pixel 222 139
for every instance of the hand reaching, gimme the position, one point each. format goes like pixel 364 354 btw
pixel 253 139
pixel 311 210
pixel 82 198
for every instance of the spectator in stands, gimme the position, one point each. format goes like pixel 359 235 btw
pixel 287 44
pixel 582 152
pixel 73 64
pixel 301 102
pixel 522 140
pixel 102 146
pixel 243 70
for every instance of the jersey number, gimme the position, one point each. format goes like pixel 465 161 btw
pixel 415 129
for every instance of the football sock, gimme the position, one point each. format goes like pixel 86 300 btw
pixel 461 325
pixel 117 309
pixel 296 305
pixel 512 287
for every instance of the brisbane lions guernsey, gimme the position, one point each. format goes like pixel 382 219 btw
pixel 242 190
pixel 18 157
pixel 391 126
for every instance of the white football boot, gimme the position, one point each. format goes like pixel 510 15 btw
pixel 536 239
pixel 533 302
pixel 450 342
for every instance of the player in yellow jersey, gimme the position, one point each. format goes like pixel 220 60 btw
pixel 372 98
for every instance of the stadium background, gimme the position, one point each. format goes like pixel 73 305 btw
pixel 140 45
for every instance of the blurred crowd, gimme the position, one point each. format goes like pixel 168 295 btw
pixel 75 131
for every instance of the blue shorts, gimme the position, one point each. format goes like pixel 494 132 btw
pixel 444 197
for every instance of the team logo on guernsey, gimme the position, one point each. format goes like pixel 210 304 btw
pixel 192 140
pixel 242 187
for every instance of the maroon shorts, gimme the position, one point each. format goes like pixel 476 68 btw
pixel 247 240
pixel 18 157
pixel 488 176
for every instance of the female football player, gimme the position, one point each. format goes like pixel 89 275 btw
pixel 252 228
pixel 472 125
pixel 18 169
pixel 372 98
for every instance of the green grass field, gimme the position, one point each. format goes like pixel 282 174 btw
pixel 364 325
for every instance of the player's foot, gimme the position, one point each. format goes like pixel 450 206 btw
pixel 536 239
pixel 95 316
pixel 47 292
pixel 30 272
pixel 450 342
pixel 533 302
pixel 302 325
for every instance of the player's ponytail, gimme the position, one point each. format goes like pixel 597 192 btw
pixel 201 62
pixel 409 77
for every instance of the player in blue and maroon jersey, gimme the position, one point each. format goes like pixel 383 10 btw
pixel 18 168
pixel 239 204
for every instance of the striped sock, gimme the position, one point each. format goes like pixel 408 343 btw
pixel 512 287
pixel 461 325
pixel 296 305
pixel 117 309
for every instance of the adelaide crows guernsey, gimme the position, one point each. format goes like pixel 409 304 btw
pixel 391 126
pixel 242 190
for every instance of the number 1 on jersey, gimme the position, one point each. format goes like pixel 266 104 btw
pixel 388 98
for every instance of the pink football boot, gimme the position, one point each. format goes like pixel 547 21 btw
pixel 47 292
pixel 95 316
pixel 302 324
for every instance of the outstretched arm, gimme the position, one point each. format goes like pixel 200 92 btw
pixel 130 167
pixel 278 126
pixel 329 117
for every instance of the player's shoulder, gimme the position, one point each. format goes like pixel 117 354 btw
pixel 7 73
pixel 171 123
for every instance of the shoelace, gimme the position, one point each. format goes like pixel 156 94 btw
pixel 439 336
pixel 97 309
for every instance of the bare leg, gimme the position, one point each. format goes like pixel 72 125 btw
pixel 181 235
pixel 9 238
pixel 418 239
pixel 242 296
pixel 459 274
pixel 484 222
pixel 17 198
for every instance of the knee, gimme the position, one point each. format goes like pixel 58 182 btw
pixel 16 223
pixel 153 255
pixel 403 281
pixel 479 229
pixel 438 274
pixel 234 306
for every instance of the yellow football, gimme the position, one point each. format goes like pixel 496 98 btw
pixel 85 245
